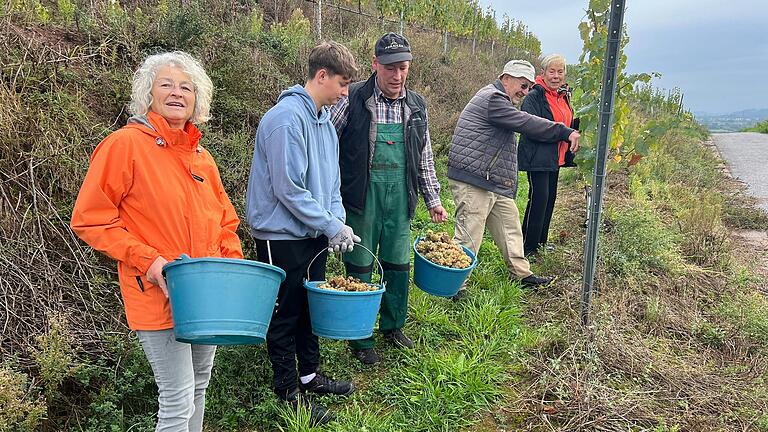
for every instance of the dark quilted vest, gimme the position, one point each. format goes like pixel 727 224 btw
pixel 482 154
pixel 355 145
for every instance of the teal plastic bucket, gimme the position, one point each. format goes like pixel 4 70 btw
pixel 439 280
pixel 221 301
pixel 343 315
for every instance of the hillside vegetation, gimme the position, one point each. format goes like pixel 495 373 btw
pixel 761 127
pixel 679 335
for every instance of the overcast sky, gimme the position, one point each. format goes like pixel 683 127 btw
pixel 715 51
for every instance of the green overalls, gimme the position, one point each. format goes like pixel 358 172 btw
pixel 384 225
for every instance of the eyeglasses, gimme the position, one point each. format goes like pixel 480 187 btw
pixel 525 86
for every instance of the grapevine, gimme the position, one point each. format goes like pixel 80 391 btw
pixel 631 137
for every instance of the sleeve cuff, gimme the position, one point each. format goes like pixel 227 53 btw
pixel 567 133
pixel 333 228
pixel 145 260
pixel 432 202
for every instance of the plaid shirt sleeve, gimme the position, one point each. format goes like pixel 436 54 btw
pixel 430 187
pixel 340 115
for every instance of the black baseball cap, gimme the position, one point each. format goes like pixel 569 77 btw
pixel 392 48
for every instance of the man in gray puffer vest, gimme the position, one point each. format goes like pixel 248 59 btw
pixel 482 166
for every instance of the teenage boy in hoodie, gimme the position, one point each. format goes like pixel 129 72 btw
pixel 294 210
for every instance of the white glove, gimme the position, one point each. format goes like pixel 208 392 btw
pixel 343 241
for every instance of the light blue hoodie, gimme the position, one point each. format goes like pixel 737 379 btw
pixel 293 189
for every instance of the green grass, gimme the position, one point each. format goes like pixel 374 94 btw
pixel 749 312
pixel 464 355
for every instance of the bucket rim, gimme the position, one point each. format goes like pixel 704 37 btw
pixel 312 286
pixel 441 267
pixel 185 259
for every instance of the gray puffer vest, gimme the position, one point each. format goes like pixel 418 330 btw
pixel 483 150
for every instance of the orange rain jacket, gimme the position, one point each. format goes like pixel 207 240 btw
pixel 561 113
pixel 151 190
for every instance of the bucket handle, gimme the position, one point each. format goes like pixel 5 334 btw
pixel 182 257
pixel 458 224
pixel 381 269
pixel 269 252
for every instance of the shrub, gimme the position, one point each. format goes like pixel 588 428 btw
pixel 20 411
pixel 761 127
pixel 121 391
pixel 293 35
pixel 66 10
pixel 704 239
pixel 55 353
pixel 637 241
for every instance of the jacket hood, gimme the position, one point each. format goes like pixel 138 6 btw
pixel 156 126
pixel 564 89
pixel 540 81
pixel 299 92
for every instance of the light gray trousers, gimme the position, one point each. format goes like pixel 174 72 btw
pixel 182 372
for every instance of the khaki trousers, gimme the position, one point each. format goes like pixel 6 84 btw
pixel 478 208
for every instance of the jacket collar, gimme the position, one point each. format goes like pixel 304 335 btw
pixel 380 96
pixel 563 91
pixel 155 125
pixel 543 85
pixel 500 87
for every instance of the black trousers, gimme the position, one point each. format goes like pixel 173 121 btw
pixel 542 193
pixel 290 338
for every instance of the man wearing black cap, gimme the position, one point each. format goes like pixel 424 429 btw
pixel 385 157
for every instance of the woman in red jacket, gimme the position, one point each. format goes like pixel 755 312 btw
pixel 152 193
pixel 549 98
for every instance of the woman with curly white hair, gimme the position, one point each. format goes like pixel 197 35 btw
pixel 151 194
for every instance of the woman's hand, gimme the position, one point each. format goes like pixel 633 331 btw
pixel 155 274
pixel 574 139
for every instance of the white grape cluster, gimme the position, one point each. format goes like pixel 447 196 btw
pixel 439 248
pixel 347 283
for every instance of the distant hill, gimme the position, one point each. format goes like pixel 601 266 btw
pixel 732 122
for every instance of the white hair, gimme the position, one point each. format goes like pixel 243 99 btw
pixel 141 96
pixel 551 59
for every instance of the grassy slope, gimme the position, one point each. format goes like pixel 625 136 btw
pixel 678 337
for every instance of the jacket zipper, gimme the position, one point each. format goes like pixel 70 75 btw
pixel 493 162
pixel 141 284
